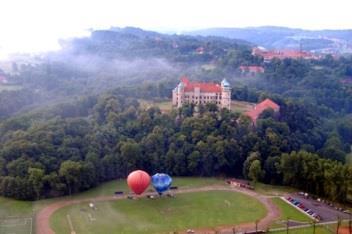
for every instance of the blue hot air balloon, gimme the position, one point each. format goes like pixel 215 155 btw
pixel 161 182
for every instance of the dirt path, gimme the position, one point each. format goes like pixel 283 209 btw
pixel 43 216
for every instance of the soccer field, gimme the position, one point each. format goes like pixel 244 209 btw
pixel 16 226
pixel 161 215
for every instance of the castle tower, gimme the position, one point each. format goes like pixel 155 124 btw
pixel 177 95
pixel 225 94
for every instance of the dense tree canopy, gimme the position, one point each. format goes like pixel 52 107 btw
pixel 112 135
pixel 77 121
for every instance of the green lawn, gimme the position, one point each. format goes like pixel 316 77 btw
pixel 275 190
pixel 166 105
pixel 290 212
pixel 11 207
pixel 16 226
pixel 162 215
pixel 318 230
pixel 240 106
pixel 108 188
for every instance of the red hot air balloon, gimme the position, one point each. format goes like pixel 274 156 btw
pixel 138 181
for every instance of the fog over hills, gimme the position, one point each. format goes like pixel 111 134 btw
pixel 271 37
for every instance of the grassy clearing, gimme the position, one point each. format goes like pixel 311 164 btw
pixel 108 188
pixel 11 207
pixel 318 230
pixel 240 106
pixel 290 212
pixel 192 210
pixel 273 190
pixel 16 226
pixel 166 105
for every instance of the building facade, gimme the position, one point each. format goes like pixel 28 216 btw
pixel 251 70
pixel 269 55
pixel 188 92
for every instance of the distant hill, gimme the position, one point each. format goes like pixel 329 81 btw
pixel 326 41
pixel 131 42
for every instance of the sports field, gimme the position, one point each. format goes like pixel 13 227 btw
pixel 108 188
pixel 16 225
pixel 201 208
pixel 161 215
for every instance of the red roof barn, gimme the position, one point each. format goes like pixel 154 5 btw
pixel 261 107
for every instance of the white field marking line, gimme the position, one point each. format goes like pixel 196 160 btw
pixel 91 217
pixel 14 224
pixel 302 211
pixel 70 224
pixel 30 230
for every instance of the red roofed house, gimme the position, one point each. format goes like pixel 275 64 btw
pixel 261 107
pixel 251 70
pixel 282 54
pixel 347 80
pixel 202 93
pixel 200 50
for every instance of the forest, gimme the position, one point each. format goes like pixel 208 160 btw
pixel 77 121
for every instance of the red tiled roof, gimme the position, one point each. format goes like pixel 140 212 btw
pixel 281 54
pixel 204 87
pixel 259 108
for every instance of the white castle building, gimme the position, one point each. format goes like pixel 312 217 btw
pixel 202 93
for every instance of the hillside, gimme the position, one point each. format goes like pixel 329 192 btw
pixel 78 114
pixel 333 41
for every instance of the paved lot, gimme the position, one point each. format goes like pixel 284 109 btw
pixel 325 211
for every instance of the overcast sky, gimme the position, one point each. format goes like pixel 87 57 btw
pixel 36 25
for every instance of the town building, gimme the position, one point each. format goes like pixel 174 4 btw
pixel 200 50
pixel 268 55
pixel 260 108
pixel 202 93
pixel 251 70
